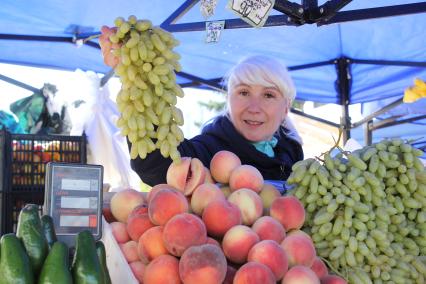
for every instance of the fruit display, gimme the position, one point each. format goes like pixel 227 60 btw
pixel 366 211
pixel 148 96
pixel 34 255
pixel 194 230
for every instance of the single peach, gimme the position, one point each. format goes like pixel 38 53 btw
pixel 151 244
pixel 249 203
pixel 289 211
pixel 246 176
pixel 183 231
pixel 267 228
pixel 119 232
pixel 163 269
pixel 319 267
pixel 219 216
pixel 203 195
pixel 123 202
pixel 272 255
pixel 138 223
pixel 165 204
pixel 222 164
pixel 300 274
pixel 138 269
pixel 156 188
pixel 237 243
pixel 332 279
pixel 300 249
pixel 130 251
pixel 268 194
pixel 186 175
pixel 202 264
pixel 254 273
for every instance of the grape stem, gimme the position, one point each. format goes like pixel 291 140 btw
pixel 336 145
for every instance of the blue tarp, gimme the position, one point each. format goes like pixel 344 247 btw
pixel 32 33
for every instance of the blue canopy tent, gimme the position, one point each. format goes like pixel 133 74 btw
pixel 339 51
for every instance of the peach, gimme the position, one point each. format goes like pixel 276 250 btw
pixel 130 251
pixel 202 264
pixel 219 216
pixel 213 242
pixel 222 164
pixel 332 279
pixel 230 274
pixel 254 273
pixel 268 194
pixel 289 211
pixel 165 204
pixel 300 249
pixel 163 269
pixel 203 195
pixel 186 175
pixel 123 202
pixel 267 228
pixel 138 269
pixel 151 244
pixel 319 267
pixel 246 176
pixel 237 243
pixel 272 255
pixel 249 203
pixel 183 231
pixel 138 223
pixel 157 188
pixel 300 274
pixel 119 232
pixel 208 178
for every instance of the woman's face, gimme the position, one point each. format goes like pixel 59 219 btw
pixel 257 111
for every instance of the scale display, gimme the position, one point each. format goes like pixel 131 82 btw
pixel 73 198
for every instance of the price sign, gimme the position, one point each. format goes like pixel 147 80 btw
pixel 254 12
pixel 73 197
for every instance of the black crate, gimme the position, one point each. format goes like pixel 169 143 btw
pixel 23 159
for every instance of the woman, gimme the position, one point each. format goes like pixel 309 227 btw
pixel 260 92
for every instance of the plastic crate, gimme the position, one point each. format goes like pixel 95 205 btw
pixel 23 160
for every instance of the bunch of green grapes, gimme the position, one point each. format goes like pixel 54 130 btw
pixel 148 96
pixel 366 211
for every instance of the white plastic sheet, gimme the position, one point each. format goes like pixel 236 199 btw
pixel 96 117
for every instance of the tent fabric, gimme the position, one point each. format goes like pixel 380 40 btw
pixel 397 38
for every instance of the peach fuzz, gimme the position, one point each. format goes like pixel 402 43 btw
pixel 230 274
pixel 272 255
pixel 332 279
pixel 202 264
pixel 268 194
pixel 222 164
pixel 219 216
pixel 186 175
pixel 254 273
pixel 237 243
pixel 319 267
pixel 165 204
pixel 138 223
pixel 300 274
pixel 203 195
pixel 249 203
pixel 119 232
pixel 130 251
pixel 246 176
pixel 157 188
pixel 138 269
pixel 123 202
pixel 163 269
pixel 151 244
pixel 300 249
pixel 289 211
pixel 267 228
pixel 183 231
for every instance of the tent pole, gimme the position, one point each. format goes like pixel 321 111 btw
pixel 343 84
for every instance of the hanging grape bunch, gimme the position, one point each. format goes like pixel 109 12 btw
pixel 366 211
pixel 148 96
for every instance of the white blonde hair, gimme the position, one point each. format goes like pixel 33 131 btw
pixel 264 71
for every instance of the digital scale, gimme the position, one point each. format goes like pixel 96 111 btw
pixel 73 198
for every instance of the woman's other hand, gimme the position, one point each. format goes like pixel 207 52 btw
pixel 107 46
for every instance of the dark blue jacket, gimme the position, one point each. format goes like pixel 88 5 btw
pixel 221 134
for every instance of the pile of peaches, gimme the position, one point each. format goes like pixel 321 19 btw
pixel 223 225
